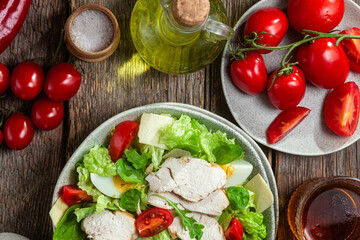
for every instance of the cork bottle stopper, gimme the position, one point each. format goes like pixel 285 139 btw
pixel 190 13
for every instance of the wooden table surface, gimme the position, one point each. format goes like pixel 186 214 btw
pixel 28 177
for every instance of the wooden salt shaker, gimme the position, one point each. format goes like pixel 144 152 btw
pixel 90 56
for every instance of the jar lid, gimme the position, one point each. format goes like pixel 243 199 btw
pixel 190 13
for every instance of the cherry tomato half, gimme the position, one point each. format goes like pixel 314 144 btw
pixel 319 15
pixel 250 74
pixel 324 64
pixel 153 221
pixel 271 20
pixel 62 82
pixel 235 230
pixel 1 137
pixel 18 131
pixel 4 78
pixel 47 114
pixel 352 48
pixel 122 138
pixel 342 109
pixel 27 80
pixel 286 91
pixel 285 123
pixel 73 195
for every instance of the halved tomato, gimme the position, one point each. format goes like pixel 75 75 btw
pixel 286 122
pixel 235 230
pixel 153 221
pixel 352 48
pixel 73 195
pixel 342 109
pixel 122 138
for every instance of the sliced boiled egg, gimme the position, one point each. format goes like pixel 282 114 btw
pixel 237 172
pixel 111 186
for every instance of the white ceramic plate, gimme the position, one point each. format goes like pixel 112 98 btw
pixel 255 113
pixel 253 153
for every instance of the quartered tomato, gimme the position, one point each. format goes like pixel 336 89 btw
pixel 153 221
pixel 122 138
pixel 235 230
pixel 270 20
pixel 73 195
pixel 324 64
pixel 342 109
pixel 352 48
pixel 249 74
pixel 318 15
pixel 286 91
pixel 285 123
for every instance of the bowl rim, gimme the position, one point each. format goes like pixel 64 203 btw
pixel 183 109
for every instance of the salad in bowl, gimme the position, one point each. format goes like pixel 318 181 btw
pixel 163 176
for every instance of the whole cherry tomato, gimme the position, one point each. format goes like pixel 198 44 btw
pixel 323 63
pixel 250 74
pixel 27 80
pixel 62 82
pixel 352 48
pixel 319 15
pixel 235 230
pixel 285 123
pixel 1 137
pixel 73 195
pixel 47 114
pixel 270 20
pixel 286 91
pixel 342 109
pixel 4 78
pixel 122 138
pixel 18 131
pixel 153 221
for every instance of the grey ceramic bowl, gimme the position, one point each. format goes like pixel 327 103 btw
pixel 12 236
pixel 255 113
pixel 253 153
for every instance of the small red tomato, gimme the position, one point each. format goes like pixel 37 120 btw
pixel 286 91
pixel 122 138
pixel 324 64
pixel 250 74
pixel 1 137
pixel 319 15
pixel 73 195
pixel 352 48
pixel 271 20
pixel 62 82
pixel 285 123
pixel 342 109
pixel 4 78
pixel 153 221
pixel 235 230
pixel 27 80
pixel 18 131
pixel 47 114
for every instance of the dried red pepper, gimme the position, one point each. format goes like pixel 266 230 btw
pixel 12 16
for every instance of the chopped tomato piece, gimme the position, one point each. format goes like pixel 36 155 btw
pixel 342 109
pixel 153 221
pixel 352 48
pixel 73 195
pixel 285 123
pixel 122 138
pixel 235 230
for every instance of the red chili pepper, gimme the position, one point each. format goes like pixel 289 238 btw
pixel 12 16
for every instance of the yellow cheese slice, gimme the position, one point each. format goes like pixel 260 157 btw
pixel 263 195
pixel 58 211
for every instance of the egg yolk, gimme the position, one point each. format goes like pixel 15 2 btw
pixel 229 170
pixel 121 185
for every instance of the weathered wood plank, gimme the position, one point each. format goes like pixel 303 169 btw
pixel 27 177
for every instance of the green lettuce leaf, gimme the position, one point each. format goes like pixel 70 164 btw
pixel 130 199
pixel 154 153
pixel 84 211
pixel 99 161
pixel 69 227
pixel 253 225
pixel 188 134
pixel 138 161
pixel 239 198
pixel 164 235
pixel 128 173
